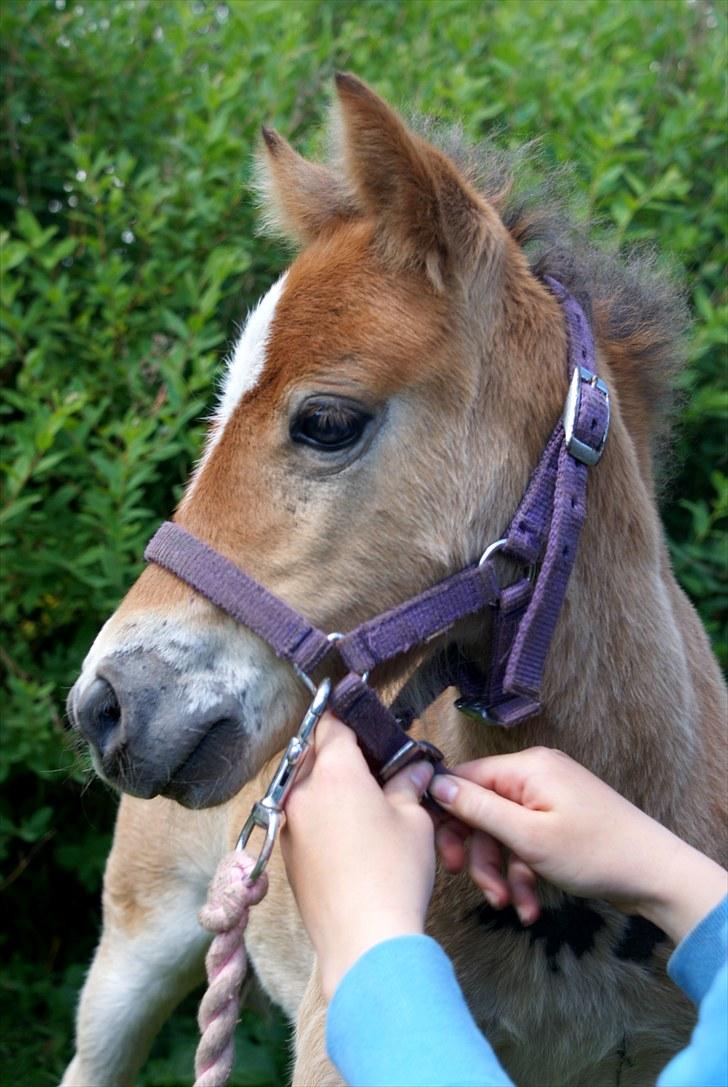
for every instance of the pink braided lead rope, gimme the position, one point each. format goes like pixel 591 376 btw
pixel 225 914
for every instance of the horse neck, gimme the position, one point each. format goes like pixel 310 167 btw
pixel 618 691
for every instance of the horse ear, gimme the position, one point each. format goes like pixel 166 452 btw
pixel 301 199
pixel 428 214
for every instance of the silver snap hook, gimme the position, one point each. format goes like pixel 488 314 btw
pixel 266 813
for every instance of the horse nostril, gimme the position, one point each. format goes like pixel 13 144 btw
pixel 108 712
pixel 99 715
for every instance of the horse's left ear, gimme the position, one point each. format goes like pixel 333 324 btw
pixel 428 214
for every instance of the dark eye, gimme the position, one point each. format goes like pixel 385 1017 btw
pixel 329 425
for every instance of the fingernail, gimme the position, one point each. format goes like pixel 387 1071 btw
pixel 420 775
pixel 443 789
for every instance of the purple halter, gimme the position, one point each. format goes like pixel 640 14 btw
pixel 545 530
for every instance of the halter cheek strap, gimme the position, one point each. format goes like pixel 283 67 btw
pixel 545 530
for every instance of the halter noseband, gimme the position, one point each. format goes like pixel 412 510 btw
pixel 543 536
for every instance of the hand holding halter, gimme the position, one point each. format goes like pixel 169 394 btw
pixel 266 813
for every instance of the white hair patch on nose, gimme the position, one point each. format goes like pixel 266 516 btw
pixel 248 358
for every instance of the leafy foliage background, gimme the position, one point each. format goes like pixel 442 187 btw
pixel 129 254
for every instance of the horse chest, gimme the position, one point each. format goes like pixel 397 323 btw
pixel 580 997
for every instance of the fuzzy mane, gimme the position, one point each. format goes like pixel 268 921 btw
pixel 633 295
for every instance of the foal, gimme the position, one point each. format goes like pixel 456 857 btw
pixel 378 423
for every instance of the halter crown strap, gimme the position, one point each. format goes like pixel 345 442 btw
pixel 546 527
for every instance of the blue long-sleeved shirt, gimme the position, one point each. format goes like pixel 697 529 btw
pixel 385 1030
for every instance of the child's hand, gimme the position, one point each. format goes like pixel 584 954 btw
pixel 360 859
pixel 562 823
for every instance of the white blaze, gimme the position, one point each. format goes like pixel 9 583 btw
pixel 244 367
pixel 248 357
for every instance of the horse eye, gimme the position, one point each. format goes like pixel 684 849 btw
pixel 329 426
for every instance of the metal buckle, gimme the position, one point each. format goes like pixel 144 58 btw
pixel 579 450
pixel 410 752
pixel 477 710
pixel 266 813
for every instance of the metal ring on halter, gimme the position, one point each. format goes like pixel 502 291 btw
pixel 336 636
pixel 498 545
pixel 491 550
pixel 306 680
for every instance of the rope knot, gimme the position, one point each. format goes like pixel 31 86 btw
pixel 230 894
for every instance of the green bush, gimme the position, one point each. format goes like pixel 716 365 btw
pixel 128 255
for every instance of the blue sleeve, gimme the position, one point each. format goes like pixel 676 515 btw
pixel 398 1017
pixel 699 965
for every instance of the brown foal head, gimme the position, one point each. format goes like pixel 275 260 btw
pixel 377 424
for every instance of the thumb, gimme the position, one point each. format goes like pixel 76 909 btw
pixel 330 730
pixel 483 809
pixel 409 785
